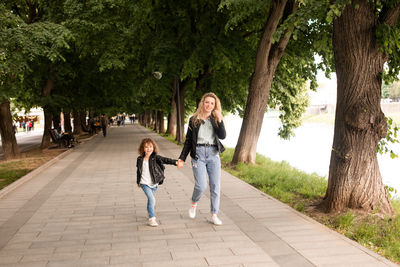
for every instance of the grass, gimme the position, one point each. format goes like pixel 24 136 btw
pixel 12 170
pixel 301 190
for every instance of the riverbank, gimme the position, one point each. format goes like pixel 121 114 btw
pixel 309 150
pixel 302 191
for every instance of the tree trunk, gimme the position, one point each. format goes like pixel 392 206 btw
pixel 160 116
pixel 48 121
pixel 77 122
pixel 8 140
pixel 147 118
pixel 182 90
pixel 82 115
pixel 354 177
pixel 67 121
pixel 172 117
pixel 56 119
pixel 46 91
pixel 141 119
pixel 268 57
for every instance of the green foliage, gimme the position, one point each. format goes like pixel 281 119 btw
pixel 391 137
pixel 390 191
pixel 388 38
pixel 335 9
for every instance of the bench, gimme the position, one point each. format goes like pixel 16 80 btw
pixel 55 140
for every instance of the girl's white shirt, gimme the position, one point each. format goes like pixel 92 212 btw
pixel 146 177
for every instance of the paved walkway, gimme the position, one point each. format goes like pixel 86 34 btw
pixel 85 210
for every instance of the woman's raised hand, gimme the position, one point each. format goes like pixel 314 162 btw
pixel 217 115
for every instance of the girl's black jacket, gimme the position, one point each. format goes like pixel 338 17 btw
pixel 156 167
pixel 191 138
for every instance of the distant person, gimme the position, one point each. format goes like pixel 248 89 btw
pixel 92 126
pixel 202 141
pixel 103 122
pixel 150 173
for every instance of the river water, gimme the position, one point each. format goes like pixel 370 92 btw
pixel 309 150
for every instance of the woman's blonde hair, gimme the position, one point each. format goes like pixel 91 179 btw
pixel 147 141
pixel 200 109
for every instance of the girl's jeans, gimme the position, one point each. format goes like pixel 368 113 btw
pixel 208 162
pixel 151 198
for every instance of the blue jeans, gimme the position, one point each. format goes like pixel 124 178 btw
pixel 208 162
pixel 151 198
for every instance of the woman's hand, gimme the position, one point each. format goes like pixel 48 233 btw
pixel 217 114
pixel 138 185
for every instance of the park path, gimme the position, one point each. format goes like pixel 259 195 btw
pixel 86 210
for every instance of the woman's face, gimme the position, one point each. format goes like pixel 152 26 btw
pixel 148 149
pixel 209 104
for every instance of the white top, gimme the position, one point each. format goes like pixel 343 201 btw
pixel 206 133
pixel 146 177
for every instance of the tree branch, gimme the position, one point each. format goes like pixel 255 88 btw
pixel 390 16
pixel 278 48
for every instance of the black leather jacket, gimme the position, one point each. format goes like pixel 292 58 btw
pixel 156 167
pixel 191 138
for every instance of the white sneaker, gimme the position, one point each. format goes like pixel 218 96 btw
pixel 153 222
pixel 215 220
pixel 192 211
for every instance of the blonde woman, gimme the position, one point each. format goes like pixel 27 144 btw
pixel 205 130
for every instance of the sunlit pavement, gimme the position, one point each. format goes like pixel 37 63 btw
pixel 86 210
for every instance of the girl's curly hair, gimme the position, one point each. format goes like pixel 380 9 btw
pixel 147 141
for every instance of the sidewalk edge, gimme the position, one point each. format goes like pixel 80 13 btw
pixel 11 187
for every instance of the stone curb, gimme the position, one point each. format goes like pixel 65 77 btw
pixel 32 174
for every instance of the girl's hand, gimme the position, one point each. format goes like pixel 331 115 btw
pixel 180 163
pixel 138 185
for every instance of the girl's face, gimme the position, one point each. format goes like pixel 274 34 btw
pixel 148 149
pixel 209 104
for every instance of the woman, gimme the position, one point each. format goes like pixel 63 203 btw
pixel 202 141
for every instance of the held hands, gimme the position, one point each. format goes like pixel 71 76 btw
pixel 179 163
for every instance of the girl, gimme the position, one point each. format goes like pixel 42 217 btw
pixel 150 173
pixel 202 141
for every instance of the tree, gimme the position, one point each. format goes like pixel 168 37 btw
pixel 268 56
pixel 25 37
pixel 365 36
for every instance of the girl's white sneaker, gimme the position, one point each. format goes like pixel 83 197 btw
pixel 153 222
pixel 192 211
